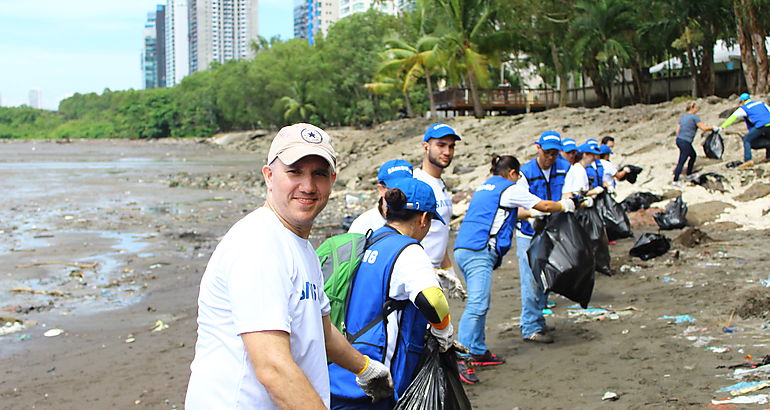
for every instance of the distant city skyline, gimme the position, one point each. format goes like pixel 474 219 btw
pixel 81 46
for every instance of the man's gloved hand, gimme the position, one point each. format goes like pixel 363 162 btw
pixel 717 129
pixel 595 191
pixel 627 169
pixel 567 205
pixel 444 336
pixel 587 202
pixel 534 213
pixel 375 380
pixel 610 190
pixel 451 283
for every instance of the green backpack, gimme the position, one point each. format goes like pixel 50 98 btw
pixel 340 257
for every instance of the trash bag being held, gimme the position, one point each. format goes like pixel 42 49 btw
pixel 633 173
pixel 650 245
pixel 562 260
pixel 593 225
pixel 675 215
pixel 437 385
pixel 714 146
pixel 614 217
pixel 639 200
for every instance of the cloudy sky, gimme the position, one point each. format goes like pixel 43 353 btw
pixel 68 46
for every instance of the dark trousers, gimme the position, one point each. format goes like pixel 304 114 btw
pixel 338 403
pixel 685 151
pixel 751 136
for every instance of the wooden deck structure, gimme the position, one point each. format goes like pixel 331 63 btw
pixel 503 100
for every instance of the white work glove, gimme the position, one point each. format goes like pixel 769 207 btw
pixel 567 205
pixel 444 336
pixel 716 129
pixel 595 191
pixel 375 380
pixel 587 202
pixel 450 283
pixel 534 213
pixel 610 190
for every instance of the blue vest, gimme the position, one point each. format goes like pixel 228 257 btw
pixel 476 227
pixel 369 292
pixel 547 190
pixel 756 114
pixel 595 175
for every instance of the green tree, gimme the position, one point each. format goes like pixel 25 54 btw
pixel 298 106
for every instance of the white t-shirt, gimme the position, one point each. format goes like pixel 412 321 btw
pixel 370 219
pixel 436 241
pixel 261 277
pixel 515 195
pixel 576 179
pixel 609 172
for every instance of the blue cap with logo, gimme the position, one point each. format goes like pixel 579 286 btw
pixel 439 130
pixel 605 149
pixel 394 169
pixel 549 140
pixel 589 148
pixel 744 97
pixel 568 145
pixel 419 196
pixel 592 141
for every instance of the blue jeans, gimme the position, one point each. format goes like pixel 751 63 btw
pixel 533 299
pixel 338 403
pixel 686 151
pixel 476 267
pixel 751 136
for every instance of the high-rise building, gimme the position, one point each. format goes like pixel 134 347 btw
pixel 160 45
pixel 393 7
pixel 36 98
pixel 222 30
pixel 321 15
pixel 301 18
pixel 177 45
pixel 150 53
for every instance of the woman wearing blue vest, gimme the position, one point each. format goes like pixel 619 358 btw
pixel 394 296
pixel 756 114
pixel 484 238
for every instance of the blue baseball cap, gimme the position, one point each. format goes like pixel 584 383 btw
pixel 419 196
pixel 568 145
pixel 744 97
pixel 588 148
pixel 592 141
pixel 605 149
pixel 393 169
pixel 439 130
pixel 549 140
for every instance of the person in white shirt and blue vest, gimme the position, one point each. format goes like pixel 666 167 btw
pixel 394 297
pixel 756 114
pixel 484 238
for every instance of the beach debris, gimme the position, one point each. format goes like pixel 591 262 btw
pixel 754 399
pixel 715 349
pixel 630 268
pixel 130 339
pixel 639 200
pixel 650 245
pixel 675 215
pixel 74 265
pixel 733 164
pixel 598 313
pixel 53 332
pixel 612 396
pixel 741 388
pixel 21 338
pixel 691 237
pixel 159 326
pixel 11 327
pixel 37 291
pixel 711 181
pixel 679 318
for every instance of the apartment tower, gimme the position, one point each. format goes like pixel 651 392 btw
pixel 221 30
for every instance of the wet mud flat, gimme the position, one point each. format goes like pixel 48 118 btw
pixel 107 241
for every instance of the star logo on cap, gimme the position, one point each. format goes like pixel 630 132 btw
pixel 311 136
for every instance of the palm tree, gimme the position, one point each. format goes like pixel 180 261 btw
pixel 411 63
pixel 386 84
pixel 472 37
pixel 297 106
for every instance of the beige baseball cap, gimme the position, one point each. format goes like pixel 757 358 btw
pixel 297 141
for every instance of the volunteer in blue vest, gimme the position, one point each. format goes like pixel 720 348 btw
pixel 438 144
pixel 544 177
pixel 611 172
pixel 756 114
pixel 595 170
pixel 397 270
pixel 577 180
pixel 569 149
pixel 374 218
pixel 482 242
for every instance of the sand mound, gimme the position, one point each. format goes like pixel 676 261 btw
pixel 754 303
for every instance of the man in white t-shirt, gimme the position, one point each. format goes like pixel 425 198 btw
pixel 264 333
pixel 611 172
pixel 374 218
pixel 576 182
pixel 439 146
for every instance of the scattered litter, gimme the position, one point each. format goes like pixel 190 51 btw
pixel 733 164
pixel 667 279
pixel 755 399
pixel 549 304
pixel 11 327
pixel 700 341
pixel 547 312
pixel 612 396
pixel 130 339
pixel 592 313
pixel 679 318
pixel 650 245
pixel 741 373
pixel 765 282
pixel 75 265
pixel 715 349
pixel 740 388
pixel 624 332
pixel 37 291
pixel 629 268
pixel 53 332
pixel 159 326
pixel 729 329
pixel 21 338
pixel 675 215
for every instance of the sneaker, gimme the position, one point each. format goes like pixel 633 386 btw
pixel 677 184
pixel 539 337
pixel 467 374
pixel 747 164
pixel 486 359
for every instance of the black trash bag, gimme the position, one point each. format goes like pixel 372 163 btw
pixel 593 225
pixel 633 173
pixel 561 258
pixel 675 215
pixel 650 245
pixel 714 146
pixel 437 385
pixel 614 217
pixel 711 181
pixel 639 200
pixel 733 164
